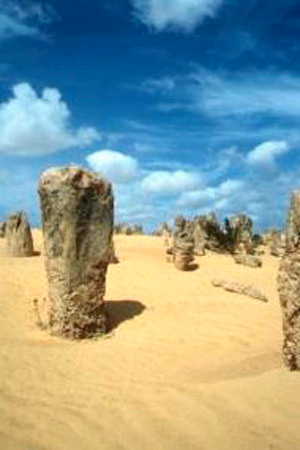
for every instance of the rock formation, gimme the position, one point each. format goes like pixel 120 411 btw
pixel 215 237
pixel 77 217
pixel 238 288
pixel 289 287
pixel 183 244
pixel 18 235
pixel 239 234
pixel 277 243
pixel 248 260
pixel 199 237
pixel 166 234
pixel 2 229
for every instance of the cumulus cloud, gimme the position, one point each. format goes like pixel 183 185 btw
pixel 31 125
pixel 18 18
pixel 170 183
pixel 266 153
pixel 183 15
pixel 211 197
pixel 116 166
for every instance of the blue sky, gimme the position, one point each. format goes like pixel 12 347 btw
pixel 187 106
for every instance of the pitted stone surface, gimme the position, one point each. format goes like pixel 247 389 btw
pixel 19 242
pixel 289 287
pixel 77 216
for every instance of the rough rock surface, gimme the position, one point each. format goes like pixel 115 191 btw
pixel 183 244
pixel 289 287
pixel 18 235
pixel 199 237
pixel 248 260
pixel 2 229
pixel 215 236
pixel 277 243
pixel 239 234
pixel 238 288
pixel 113 257
pixel 77 216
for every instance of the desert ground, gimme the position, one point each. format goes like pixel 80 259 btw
pixel 185 366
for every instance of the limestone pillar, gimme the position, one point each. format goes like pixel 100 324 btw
pixel 77 217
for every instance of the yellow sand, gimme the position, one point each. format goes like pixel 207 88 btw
pixel 187 366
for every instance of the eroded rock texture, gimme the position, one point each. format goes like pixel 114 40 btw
pixel 239 288
pixel 77 216
pixel 2 229
pixel 183 244
pixel 239 234
pixel 18 235
pixel 248 260
pixel 113 257
pixel 289 287
pixel 200 237
pixel 277 243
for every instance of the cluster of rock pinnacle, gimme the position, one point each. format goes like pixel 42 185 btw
pixel 78 225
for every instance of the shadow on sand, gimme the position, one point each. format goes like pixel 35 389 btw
pixel 245 368
pixel 119 311
pixel 192 267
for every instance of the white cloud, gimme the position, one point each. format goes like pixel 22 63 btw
pixel 194 199
pixel 230 187
pixel 31 125
pixel 212 197
pixel 165 84
pixel 222 95
pixel 10 27
pixel 266 153
pixel 182 15
pixel 20 19
pixel 117 167
pixel 170 183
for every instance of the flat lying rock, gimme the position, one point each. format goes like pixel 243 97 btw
pixel 248 260
pixel 239 288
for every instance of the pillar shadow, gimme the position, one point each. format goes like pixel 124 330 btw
pixel 119 311
pixel 192 267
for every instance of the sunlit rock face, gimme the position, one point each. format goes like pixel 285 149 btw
pixel 77 215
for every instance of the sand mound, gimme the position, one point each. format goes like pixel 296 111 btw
pixel 185 366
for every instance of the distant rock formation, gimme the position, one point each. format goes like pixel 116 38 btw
pixel 125 228
pixel 77 217
pixel 239 288
pixel 200 237
pixel 2 229
pixel 289 286
pixel 183 244
pixel 19 242
pixel 239 234
pixel 248 260
pixel 277 244
pixel 166 234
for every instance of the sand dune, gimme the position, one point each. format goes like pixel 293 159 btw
pixel 185 366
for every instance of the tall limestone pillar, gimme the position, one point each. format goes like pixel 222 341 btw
pixel 77 217
pixel 289 287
